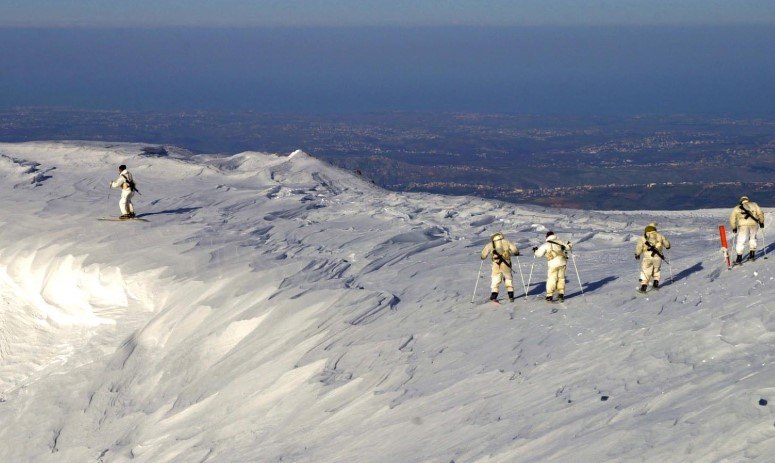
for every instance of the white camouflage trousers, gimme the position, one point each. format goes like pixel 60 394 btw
pixel 650 268
pixel 499 273
pixel 555 280
pixel 125 204
pixel 746 233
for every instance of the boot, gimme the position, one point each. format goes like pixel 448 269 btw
pixel 493 296
pixel 739 259
pixel 560 297
pixel 511 296
pixel 643 288
pixel 548 298
pixel 131 215
pixel 751 255
pixel 123 216
pixel 656 284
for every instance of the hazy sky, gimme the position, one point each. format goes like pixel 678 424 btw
pixel 534 56
pixel 109 13
pixel 546 69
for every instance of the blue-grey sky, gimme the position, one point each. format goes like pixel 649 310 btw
pixel 539 69
pixel 142 13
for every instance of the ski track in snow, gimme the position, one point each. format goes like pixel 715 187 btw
pixel 275 308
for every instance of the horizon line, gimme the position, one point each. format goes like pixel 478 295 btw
pixel 382 25
pixel 386 111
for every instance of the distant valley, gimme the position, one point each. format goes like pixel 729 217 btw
pixel 641 162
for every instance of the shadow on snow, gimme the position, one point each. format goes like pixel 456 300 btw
pixel 182 210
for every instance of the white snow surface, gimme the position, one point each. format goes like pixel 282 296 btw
pixel 278 309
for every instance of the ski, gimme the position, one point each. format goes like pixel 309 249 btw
pixel 724 246
pixel 648 290
pixel 746 260
pixel 116 219
pixel 498 302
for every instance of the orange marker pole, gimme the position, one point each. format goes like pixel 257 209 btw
pixel 724 244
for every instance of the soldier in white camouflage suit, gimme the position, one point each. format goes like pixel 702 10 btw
pixel 556 253
pixel 746 219
pixel 501 250
pixel 649 250
pixel 127 185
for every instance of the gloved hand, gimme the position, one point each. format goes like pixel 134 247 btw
pixel 761 224
pixel 637 257
pixel 517 253
pixel 734 230
pixel 535 248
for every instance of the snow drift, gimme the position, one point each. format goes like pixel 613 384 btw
pixel 275 308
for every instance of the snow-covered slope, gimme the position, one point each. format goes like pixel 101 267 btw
pixel 275 308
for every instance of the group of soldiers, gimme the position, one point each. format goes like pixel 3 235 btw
pixel 555 252
pixel 746 219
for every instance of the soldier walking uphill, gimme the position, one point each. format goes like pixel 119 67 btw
pixel 651 246
pixel 127 185
pixel 501 250
pixel 556 254
pixel 745 220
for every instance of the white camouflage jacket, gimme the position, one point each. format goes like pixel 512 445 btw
pixel 123 180
pixel 739 217
pixel 553 250
pixel 656 240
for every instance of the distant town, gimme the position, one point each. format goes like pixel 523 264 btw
pixel 641 162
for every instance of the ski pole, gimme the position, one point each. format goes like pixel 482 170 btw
pixel 764 242
pixel 573 258
pixel 107 199
pixel 639 263
pixel 735 245
pixel 670 266
pixel 521 276
pixel 530 277
pixel 478 276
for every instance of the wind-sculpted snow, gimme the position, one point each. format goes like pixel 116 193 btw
pixel 28 172
pixel 274 308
